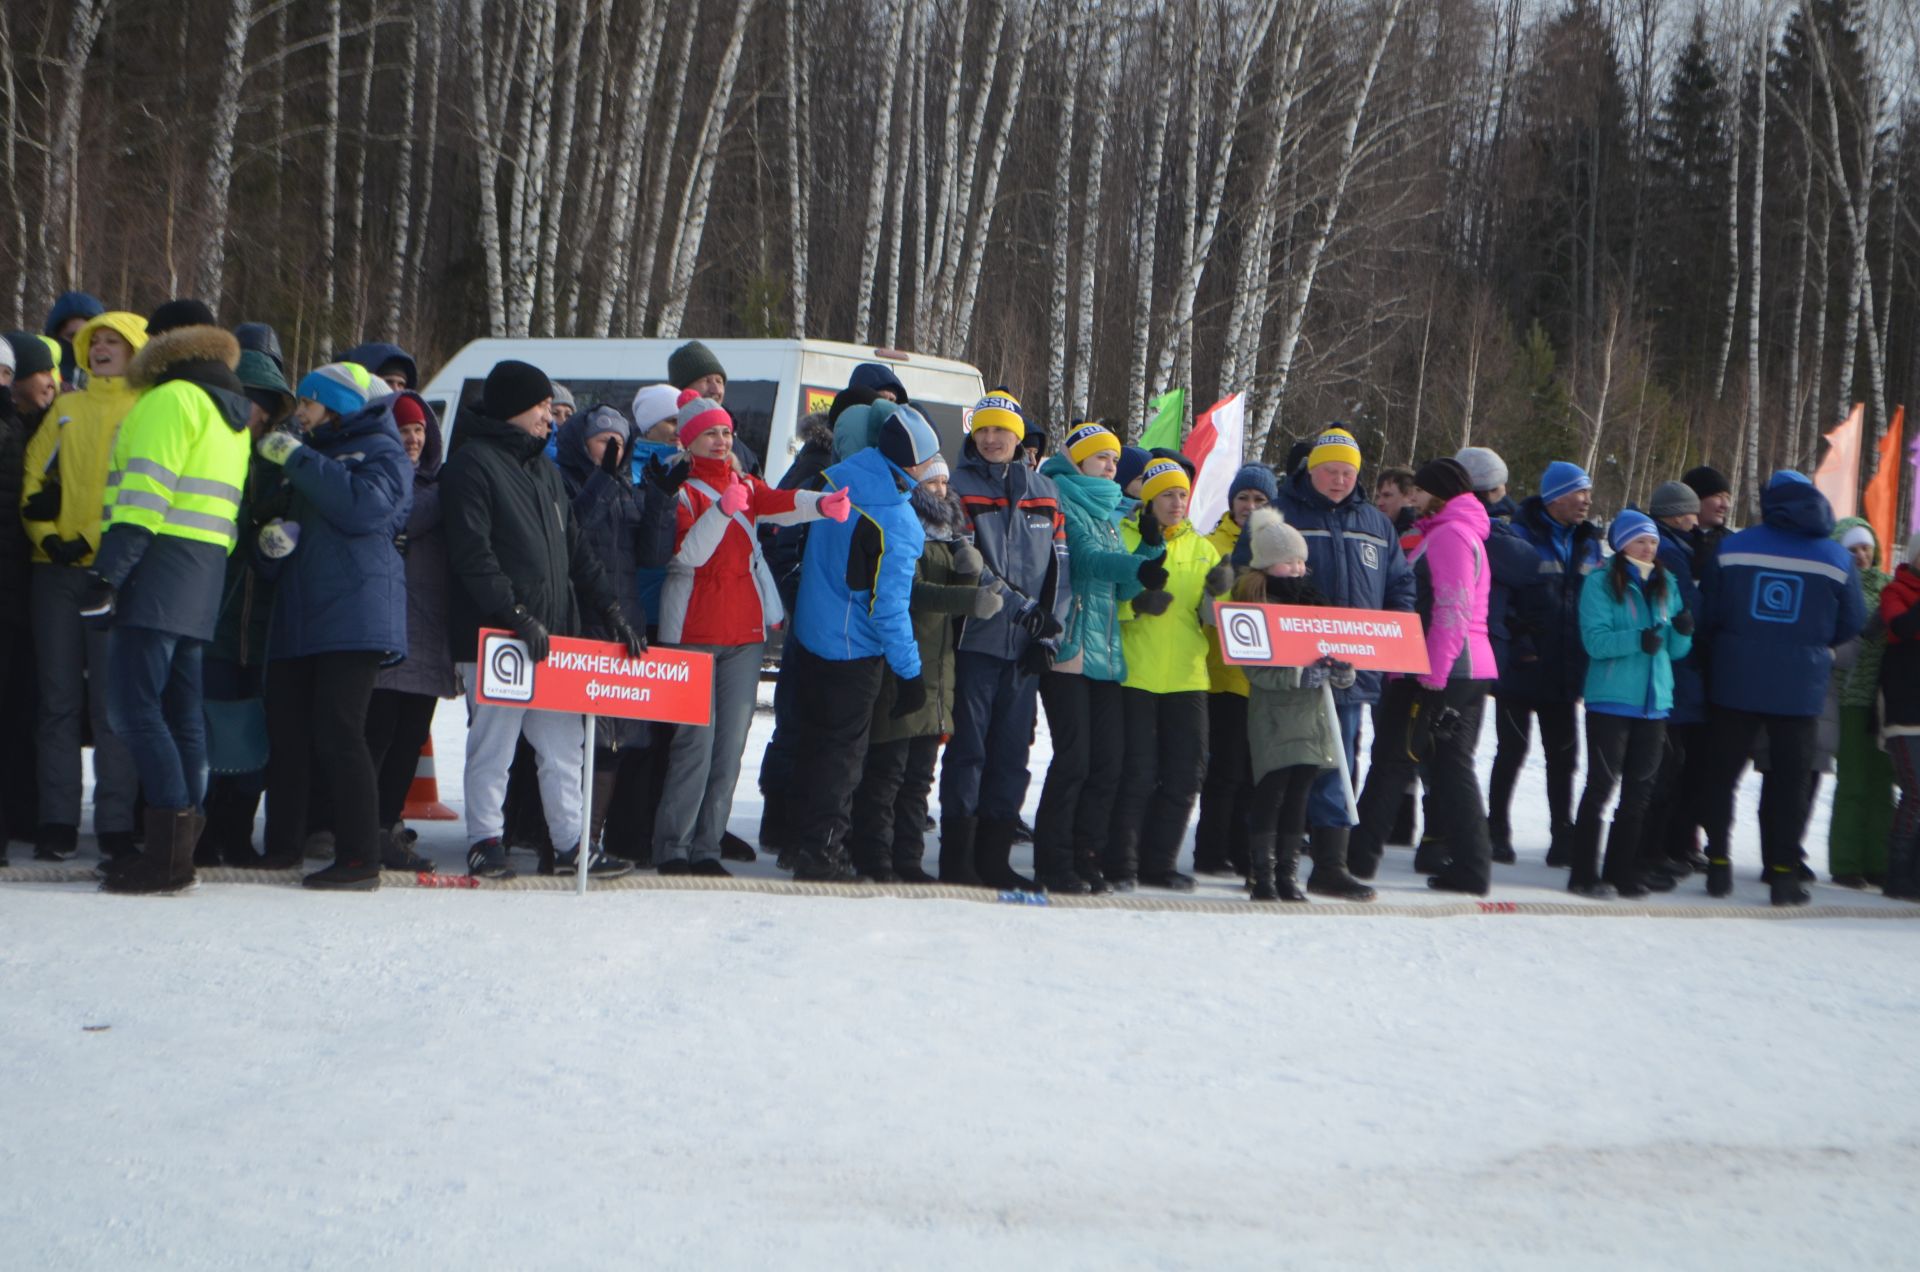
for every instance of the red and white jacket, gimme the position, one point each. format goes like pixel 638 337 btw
pixel 718 590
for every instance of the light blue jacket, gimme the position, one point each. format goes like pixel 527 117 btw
pixel 856 580
pixel 1622 677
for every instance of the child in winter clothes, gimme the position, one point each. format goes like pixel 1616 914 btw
pixel 1290 741
pixel 1165 694
pixel 890 806
pixel 1862 813
pixel 339 614
pixel 65 478
pixel 1899 613
pixel 1220 836
pixel 855 626
pixel 1634 625
pixel 1082 692
pixel 1014 517
pixel 719 598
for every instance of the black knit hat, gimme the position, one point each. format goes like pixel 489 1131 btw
pixel 851 396
pixel 1707 481
pixel 690 362
pixel 513 387
pixel 1444 478
pixel 30 354
pixel 179 313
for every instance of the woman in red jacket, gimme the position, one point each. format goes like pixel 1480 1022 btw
pixel 719 598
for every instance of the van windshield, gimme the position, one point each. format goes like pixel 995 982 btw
pixel 750 402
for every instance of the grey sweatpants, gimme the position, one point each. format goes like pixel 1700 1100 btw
pixel 72 658
pixel 703 764
pixel 492 733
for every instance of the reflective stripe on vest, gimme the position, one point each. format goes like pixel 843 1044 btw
pixel 1770 561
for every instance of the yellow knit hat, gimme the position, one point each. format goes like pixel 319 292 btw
pixel 999 409
pixel 1163 474
pixel 1090 439
pixel 1336 445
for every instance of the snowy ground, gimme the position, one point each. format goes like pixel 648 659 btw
pixel 253 1077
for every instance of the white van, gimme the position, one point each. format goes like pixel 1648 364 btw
pixel 771 384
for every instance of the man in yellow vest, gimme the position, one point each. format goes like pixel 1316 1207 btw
pixel 65 479
pixel 171 506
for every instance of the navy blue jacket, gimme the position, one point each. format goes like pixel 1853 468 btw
pixel 1014 519
pixel 1516 567
pixel 1775 601
pixel 428 668
pixel 1689 681
pixel 1550 608
pixel 1354 557
pixel 345 586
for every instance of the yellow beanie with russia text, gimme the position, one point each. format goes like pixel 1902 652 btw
pixel 1335 445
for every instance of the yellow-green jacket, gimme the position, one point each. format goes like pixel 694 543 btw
pixel 1167 653
pixel 73 448
pixel 1222 677
pixel 173 493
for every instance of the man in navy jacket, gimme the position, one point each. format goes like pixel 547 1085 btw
pixel 1774 602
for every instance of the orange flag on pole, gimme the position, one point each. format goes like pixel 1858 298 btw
pixel 1882 503
pixel 1838 476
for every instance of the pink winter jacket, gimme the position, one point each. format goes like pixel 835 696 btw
pixel 1454 590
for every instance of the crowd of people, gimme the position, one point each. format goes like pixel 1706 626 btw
pixel 233 583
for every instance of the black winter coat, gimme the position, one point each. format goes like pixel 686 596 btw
pixel 16 554
pixel 512 538
pixel 1550 610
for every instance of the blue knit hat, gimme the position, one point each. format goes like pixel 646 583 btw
pixel 1254 477
pixel 1628 526
pixel 1133 462
pixel 341 387
pixel 1788 476
pixel 907 439
pixel 1562 479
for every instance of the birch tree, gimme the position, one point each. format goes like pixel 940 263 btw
pixel 641 75
pixel 397 265
pixel 799 172
pixel 1081 394
pixel 1069 81
pixel 56 263
pixel 1145 234
pixel 877 188
pixel 219 178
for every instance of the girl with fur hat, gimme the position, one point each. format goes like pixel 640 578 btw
pixel 1290 739
pixel 1164 698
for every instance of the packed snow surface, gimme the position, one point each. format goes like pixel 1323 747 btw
pixel 253 1077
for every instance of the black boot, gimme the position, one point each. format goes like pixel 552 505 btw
pixel 1364 851
pixel 1430 858
pixel 1086 864
pixel 776 820
pixel 396 853
pixel 1560 848
pixel 166 864
pixel 1274 867
pixel 992 844
pixel 56 842
pixel 1401 836
pixel 1788 887
pixel 1053 866
pixel 1903 878
pixel 826 863
pixel 1330 877
pixel 1719 877
pixel 1584 857
pixel 956 850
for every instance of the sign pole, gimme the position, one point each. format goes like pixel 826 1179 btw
pixel 1340 753
pixel 586 805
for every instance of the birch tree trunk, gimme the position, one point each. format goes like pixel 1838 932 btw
pixel 799 175
pixel 1081 395
pixel 1316 246
pixel 416 264
pixel 1732 306
pixel 1817 392
pixel 899 256
pixel 1856 208
pixel 397 267
pixel 58 233
pixel 693 206
pixel 1069 80
pixel 329 180
pixel 990 194
pixel 1146 234
pixel 877 188
pixel 9 156
pixel 641 302
pixel 641 75
pixel 1753 250
pixel 219 179
pixel 487 142
pixel 567 72
pixel 955 182
pixel 357 189
pixel 1799 317
pixel 595 204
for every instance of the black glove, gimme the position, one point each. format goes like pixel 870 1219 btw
pixel 610 457
pixel 97 602
pixel 623 632
pixel 530 629
pixel 1340 675
pixel 1219 579
pixel 1153 574
pixel 667 479
pixel 43 504
pixel 909 696
pixel 1429 720
pixel 1038 623
pixel 1315 675
pixel 1152 604
pixel 1151 534
pixel 64 551
pixel 400 543
pixel 1651 640
pixel 1683 622
pixel 1036 659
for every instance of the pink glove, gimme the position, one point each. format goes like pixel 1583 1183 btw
pixel 836 505
pixel 733 500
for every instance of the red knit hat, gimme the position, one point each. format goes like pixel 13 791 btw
pixel 408 410
pixel 698 414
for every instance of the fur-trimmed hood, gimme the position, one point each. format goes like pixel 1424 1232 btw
pixel 170 350
pixel 943 517
pixel 815 431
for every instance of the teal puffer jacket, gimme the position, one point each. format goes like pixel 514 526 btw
pixel 1102 571
pixel 1622 678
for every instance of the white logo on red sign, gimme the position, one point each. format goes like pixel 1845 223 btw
pixel 506 669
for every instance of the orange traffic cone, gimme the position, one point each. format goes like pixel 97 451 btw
pixel 423 797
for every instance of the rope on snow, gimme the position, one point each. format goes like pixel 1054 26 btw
pixel 648 882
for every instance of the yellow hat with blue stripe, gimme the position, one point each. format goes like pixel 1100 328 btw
pixel 1090 438
pixel 1334 446
pixel 998 409
pixel 1163 475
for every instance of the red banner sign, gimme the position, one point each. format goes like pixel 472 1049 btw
pixel 1296 635
pixel 596 677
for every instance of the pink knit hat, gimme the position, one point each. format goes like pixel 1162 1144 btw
pixel 698 414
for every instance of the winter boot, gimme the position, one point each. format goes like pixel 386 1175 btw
pixel 1364 851
pixel 734 848
pixel 1274 866
pixel 117 845
pixel 1054 869
pixel 1430 858
pixel 1086 864
pixel 1719 877
pixel 1503 854
pixel 956 850
pixel 55 842
pixel 776 820
pixel 1560 848
pixel 345 876
pixel 827 863
pixel 167 863
pixel 1583 856
pixel 992 845
pixel 1330 877
pixel 396 853
pixel 1401 836
pixel 1788 887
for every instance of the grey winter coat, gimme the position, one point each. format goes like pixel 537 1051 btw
pixel 1014 516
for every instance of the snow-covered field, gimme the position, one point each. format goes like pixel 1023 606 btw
pixel 253 1077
